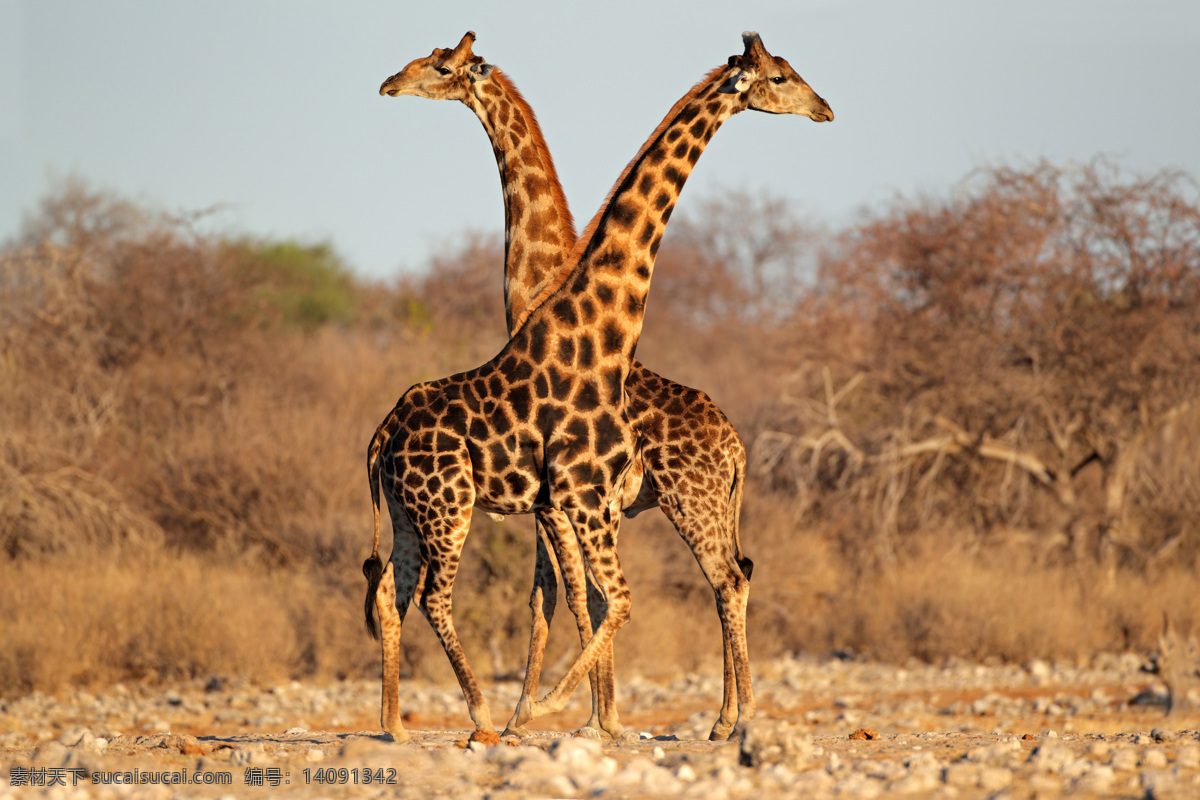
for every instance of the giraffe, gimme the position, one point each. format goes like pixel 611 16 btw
pixel 539 234
pixel 545 422
pixel 696 471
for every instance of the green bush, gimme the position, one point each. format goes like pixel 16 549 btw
pixel 291 284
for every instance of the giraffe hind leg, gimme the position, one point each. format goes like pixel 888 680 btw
pixel 700 522
pixel 732 599
pixel 445 537
pixel 389 625
pixel 398 583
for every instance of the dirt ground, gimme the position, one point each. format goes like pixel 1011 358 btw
pixel 825 727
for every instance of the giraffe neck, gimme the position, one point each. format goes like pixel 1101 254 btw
pixel 610 268
pixel 538 229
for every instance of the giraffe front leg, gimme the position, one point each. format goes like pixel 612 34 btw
pixel 597 534
pixel 557 544
pixel 588 615
pixel 390 624
pixel 542 603
pixel 437 611
pixel 603 675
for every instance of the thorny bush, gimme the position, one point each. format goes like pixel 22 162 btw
pixel 1017 362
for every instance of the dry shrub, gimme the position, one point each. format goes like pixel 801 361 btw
pixel 730 274
pixel 459 299
pixel 164 616
pixel 736 256
pixel 988 416
pixel 66 509
pixel 141 359
pixel 945 596
pixel 1002 361
pixel 970 435
pixel 961 605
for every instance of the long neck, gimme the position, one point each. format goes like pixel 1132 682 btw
pixel 538 229
pixel 608 273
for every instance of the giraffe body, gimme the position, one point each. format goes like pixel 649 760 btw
pixel 546 426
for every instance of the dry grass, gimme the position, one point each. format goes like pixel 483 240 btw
pixel 971 436
pixel 163 616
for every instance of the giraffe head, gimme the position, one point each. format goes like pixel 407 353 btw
pixel 771 85
pixel 444 74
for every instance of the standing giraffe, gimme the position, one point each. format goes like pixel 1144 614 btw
pixel 694 457
pixel 545 424
pixel 539 235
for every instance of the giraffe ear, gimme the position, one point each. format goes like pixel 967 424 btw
pixel 481 70
pixel 738 82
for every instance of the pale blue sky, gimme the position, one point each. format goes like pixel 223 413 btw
pixel 272 108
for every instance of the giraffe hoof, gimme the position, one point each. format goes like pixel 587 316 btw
pixel 588 732
pixel 520 731
pixel 720 733
pixel 398 735
pixel 722 730
pixel 522 715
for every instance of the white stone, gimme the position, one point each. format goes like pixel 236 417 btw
pixel 1124 758
pixel 1051 756
pixel 1000 751
pixel 858 786
pixel 576 752
pixel 1098 779
pixel 920 781
pixel 1188 756
pixel 994 778
pixel 883 769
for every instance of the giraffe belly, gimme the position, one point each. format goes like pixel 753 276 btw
pixel 515 492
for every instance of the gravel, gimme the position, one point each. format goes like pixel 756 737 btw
pixel 954 731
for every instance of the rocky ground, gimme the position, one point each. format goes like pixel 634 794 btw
pixel 826 728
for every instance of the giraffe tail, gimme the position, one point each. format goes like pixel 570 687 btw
pixel 733 514
pixel 373 566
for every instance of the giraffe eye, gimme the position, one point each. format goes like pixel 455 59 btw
pixel 778 79
pixel 443 71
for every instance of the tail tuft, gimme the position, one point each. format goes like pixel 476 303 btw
pixel 733 511
pixel 373 567
pixel 746 566
pixel 373 570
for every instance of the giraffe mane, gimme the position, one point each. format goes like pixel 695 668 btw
pixel 583 243
pixel 539 143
